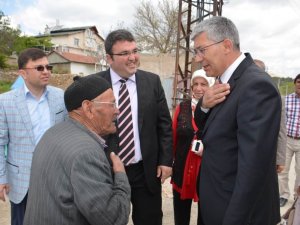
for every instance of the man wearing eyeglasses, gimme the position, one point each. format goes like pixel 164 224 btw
pixel 146 128
pixel 25 114
pixel 238 180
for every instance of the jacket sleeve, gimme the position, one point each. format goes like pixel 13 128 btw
pixel 164 128
pixel 98 195
pixel 200 118
pixel 3 143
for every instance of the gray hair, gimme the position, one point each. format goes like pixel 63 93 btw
pixel 217 29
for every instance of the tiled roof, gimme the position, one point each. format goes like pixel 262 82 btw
pixel 71 30
pixel 72 57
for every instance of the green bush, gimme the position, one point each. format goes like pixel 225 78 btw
pixel 2 61
pixel 5 86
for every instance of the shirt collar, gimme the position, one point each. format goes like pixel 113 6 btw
pixel 115 78
pixel 27 91
pixel 229 71
pixel 101 140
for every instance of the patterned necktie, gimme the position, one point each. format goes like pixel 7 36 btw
pixel 125 126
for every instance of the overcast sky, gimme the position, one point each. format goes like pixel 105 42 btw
pixel 269 29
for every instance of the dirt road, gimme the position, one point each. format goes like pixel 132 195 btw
pixel 167 205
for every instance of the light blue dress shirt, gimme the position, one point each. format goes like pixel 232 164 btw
pixel 39 113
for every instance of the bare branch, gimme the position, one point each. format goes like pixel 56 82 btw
pixel 155 26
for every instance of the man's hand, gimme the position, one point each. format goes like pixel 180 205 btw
pixel 4 189
pixel 163 172
pixel 117 163
pixel 215 95
pixel 279 168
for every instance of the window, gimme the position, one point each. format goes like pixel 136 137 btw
pixel 76 41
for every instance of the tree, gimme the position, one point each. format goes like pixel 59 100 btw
pixel 155 27
pixel 23 42
pixel 12 41
pixel 8 35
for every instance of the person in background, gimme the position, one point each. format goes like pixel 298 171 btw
pixel 292 113
pixel 282 138
pixel 238 181
pixel 25 114
pixel 72 181
pixel 260 64
pixel 144 138
pixel 187 162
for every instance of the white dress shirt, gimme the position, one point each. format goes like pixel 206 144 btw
pixel 131 86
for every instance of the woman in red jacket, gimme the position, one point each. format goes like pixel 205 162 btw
pixel 186 160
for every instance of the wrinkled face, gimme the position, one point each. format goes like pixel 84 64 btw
pixel 211 55
pixel 125 64
pixel 33 78
pixel 199 87
pixel 297 87
pixel 105 113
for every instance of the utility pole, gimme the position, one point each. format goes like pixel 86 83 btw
pixel 190 13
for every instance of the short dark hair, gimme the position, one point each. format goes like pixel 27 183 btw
pixel 30 54
pixel 117 35
pixel 296 78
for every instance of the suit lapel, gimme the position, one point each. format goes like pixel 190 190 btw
pixel 24 113
pixel 232 82
pixel 141 88
pixel 52 107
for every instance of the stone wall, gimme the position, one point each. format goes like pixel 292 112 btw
pixel 9 76
pixel 57 80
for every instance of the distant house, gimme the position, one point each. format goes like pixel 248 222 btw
pixel 66 62
pixel 79 40
pixel 76 50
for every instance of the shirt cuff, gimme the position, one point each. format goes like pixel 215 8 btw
pixel 205 110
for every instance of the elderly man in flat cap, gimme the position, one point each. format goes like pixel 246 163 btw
pixel 72 180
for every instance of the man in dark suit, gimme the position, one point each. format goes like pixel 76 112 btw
pixel 238 181
pixel 151 132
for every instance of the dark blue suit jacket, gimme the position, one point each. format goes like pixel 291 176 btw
pixel 238 179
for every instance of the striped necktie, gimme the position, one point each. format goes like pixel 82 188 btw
pixel 125 126
pixel 219 79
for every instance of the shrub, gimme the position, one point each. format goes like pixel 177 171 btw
pixel 3 61
pixel 5 86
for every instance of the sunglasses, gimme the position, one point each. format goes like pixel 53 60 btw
pixel 41 68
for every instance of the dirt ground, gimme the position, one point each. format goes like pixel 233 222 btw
pixel 167 208
pixel 167 205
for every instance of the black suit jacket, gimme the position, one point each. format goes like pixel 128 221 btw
pixel 154 123
pixel 238 179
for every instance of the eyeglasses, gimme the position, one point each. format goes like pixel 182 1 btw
pixel 41 68
pixel 128 53
pixel 201 51
pixel 110 103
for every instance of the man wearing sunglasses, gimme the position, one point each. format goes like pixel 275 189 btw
pixel 25 114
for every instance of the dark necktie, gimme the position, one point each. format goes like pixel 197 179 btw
pixel 219 79
pixel 125 126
